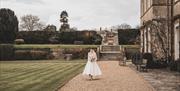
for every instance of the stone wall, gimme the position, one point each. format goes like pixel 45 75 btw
pixel 177 8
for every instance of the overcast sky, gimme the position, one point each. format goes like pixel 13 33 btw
pixel 83 14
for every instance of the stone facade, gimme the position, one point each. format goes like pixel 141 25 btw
pixel 157 34
pixel 176 25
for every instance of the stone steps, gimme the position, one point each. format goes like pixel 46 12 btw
pixel 110 52
pixel 110 49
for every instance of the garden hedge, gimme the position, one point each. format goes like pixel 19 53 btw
pixel 133 36
pixel 6 52
pixel 55 37
pixel 32 54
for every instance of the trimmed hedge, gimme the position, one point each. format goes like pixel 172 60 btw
pixel 79 53
pixel 133 36
pixel 32 54
pixel 6 52
pixel 55 37
pixel 47 53
pixel 129 52
pixel 36 37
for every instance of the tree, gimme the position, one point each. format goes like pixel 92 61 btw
pixel 124 26
pixel 137 27
pixel 121 26
pixel 8 26
pixel 64 20
pixel 31 23
pixel 50 28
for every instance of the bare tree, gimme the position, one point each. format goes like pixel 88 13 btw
pixel 30 23
pixel 124 26
pixel 121 26
pixel 137 26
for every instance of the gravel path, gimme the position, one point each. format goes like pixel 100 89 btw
pixel 114 78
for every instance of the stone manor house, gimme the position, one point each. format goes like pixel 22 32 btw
pixel 160 28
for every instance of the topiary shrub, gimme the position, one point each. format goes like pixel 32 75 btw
pixel 38 37
pixel 152 62
pixel 6 52
pixel 133 35
pixel 8 26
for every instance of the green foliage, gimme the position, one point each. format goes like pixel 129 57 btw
pixel 54 46
pixel 128 36
pixel 32 54
pixel 36 37
pixel 86 36
pixel 129 52
pixel 46 53
pixel 8 26
pixel 50 28
pixel 97 39
pixel 6 52
pixel 54 37
pixel 78 53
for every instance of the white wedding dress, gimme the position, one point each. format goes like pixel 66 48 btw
pixel 92 66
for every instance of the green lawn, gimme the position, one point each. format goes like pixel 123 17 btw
pixel 131 46
pixel 37 75
pixel 65 46
pixel 54 46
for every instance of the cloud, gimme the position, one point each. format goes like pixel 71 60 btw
pixel 25 1
pixel 30 1
pixel 82 13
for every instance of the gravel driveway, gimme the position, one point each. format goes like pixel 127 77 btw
pixel 114 78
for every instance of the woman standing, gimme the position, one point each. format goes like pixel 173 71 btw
pixel 92 68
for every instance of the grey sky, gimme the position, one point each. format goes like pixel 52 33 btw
pixel 83 14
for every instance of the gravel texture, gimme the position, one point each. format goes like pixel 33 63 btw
pixel 113 78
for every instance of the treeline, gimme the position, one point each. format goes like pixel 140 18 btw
pixel 55 37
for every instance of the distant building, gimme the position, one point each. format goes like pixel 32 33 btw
pixel 160 23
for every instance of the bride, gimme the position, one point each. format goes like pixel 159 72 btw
pixel 92 68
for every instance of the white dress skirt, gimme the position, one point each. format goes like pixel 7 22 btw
pixel 92 67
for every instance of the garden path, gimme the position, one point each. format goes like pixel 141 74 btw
pixel 114 78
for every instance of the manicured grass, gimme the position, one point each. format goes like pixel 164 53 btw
pixel 131 46
pixel 65 46
pixel 54 46
pixel 37 75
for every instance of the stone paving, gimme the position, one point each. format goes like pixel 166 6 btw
pixel 162 79
pixel 114 78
